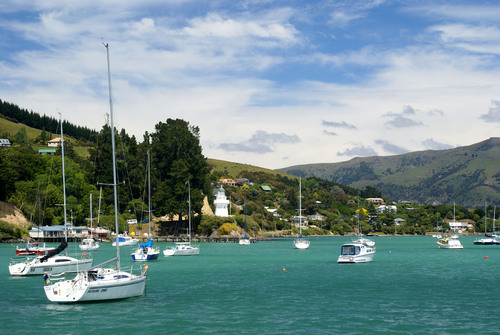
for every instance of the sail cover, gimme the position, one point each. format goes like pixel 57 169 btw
pixel 54 252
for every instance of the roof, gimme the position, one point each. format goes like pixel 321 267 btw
pixel 265 188
pixel 46 150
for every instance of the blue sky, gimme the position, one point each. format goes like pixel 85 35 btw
pixel 269 83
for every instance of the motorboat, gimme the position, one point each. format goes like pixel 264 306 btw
pixel 51 263
pixel 89 244
pixel 356 252
pixel 125 240
pixel 33 248
pixel 449 243
pixel 487 241
pixel 182 249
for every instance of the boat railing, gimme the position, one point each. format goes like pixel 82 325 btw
pixel 22 259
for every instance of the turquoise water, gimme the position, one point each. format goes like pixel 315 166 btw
pixel 411 287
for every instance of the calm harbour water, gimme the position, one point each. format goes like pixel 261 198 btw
pixel 411 287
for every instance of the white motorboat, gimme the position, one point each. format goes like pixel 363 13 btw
pixel 146 251
pixel 300 242
pixel 99 283
pixel 125 240
pixel 356 252
pixel 89 244
pixel 184 248
pixel 449 243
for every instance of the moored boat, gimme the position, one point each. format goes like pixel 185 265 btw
pixel 356 252
pixel 449 243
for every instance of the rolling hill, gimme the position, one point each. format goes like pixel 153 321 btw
pixel 468 175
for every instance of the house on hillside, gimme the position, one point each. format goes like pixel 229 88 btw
pixel 4 142
pixel 54 142
pixel 265 188
pixel 43 152
pixel 299 220
pixel 376 201
pixel 316 217
pixel 227 181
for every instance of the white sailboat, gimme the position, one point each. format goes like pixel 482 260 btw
pixel 183 248
pixel 52 262
pixel 488 239
pixel 99 283
pixel 361 239
pixel 437 235
pixel 89 244
pixel 146 251
pixel 450 242
pixel 300 242
pixel 245 240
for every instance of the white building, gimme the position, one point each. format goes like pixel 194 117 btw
pixel 4 142
pixel 387 209
pixel 55 142
pixel 221 203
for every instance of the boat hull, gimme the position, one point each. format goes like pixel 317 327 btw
pixel 108 285
pixel 244 241
pixel 487 241
pixel 182 251
pixel 301 243
pixel 142 256
pixel 356 253
pixel 54 265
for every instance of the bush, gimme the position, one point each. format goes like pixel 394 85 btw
pixel 227 228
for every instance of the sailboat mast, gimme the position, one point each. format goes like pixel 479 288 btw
pixel 90 213
pixel 149 194
pixel 494 214
pixel 114 160
pixel 64 181
pixel 189 214
pixel 300 206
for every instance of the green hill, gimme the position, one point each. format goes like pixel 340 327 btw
pixel 468 175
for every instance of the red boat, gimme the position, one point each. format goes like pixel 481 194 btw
pixel 33 248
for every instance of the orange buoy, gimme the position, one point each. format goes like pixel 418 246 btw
pixel 284 269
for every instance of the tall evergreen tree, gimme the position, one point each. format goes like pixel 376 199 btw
pixel 177 157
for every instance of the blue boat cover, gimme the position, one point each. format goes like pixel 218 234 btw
pixel 245 236
pixel 149 244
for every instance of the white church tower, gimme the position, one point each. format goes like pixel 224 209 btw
pixel 221 203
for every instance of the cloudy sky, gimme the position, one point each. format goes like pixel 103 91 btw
pixel 269 83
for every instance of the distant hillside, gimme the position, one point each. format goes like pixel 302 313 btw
pixel 469 176
pixel 233 170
